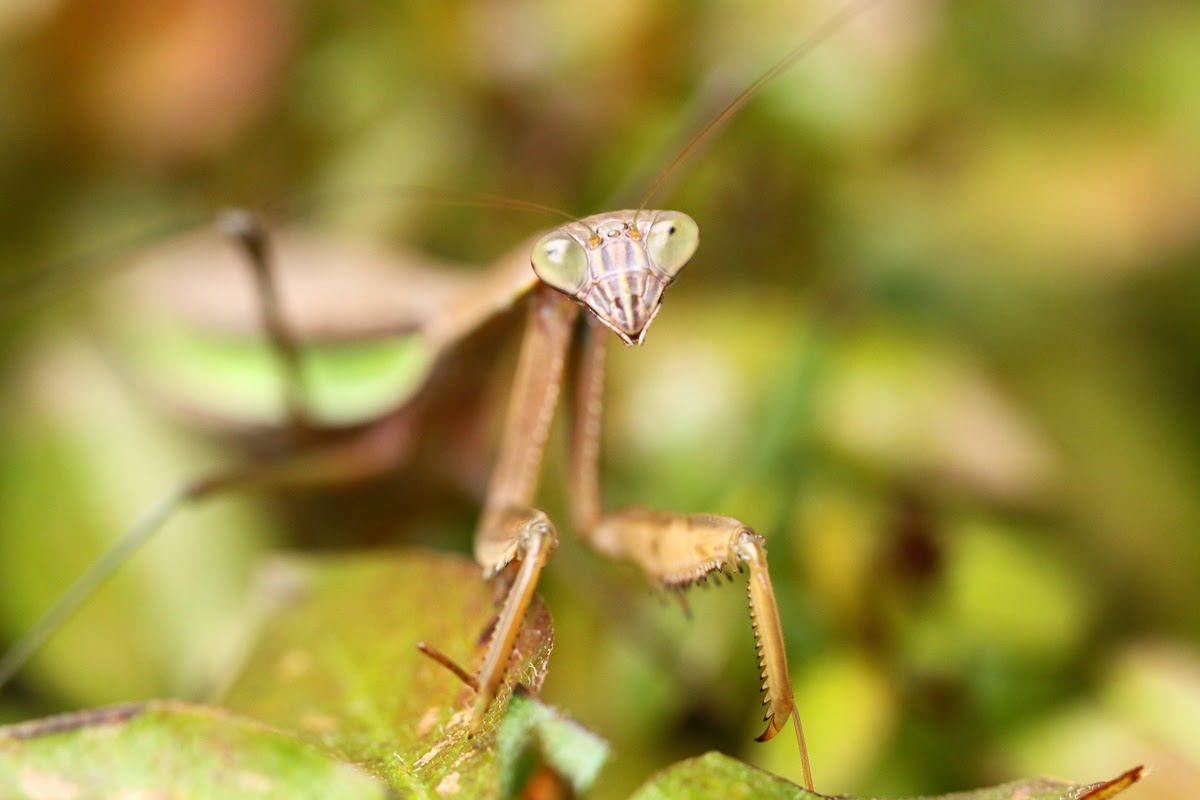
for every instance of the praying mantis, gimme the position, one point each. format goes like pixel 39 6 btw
pixel 599 276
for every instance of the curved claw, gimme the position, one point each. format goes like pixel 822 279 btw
pixel 750 549
pixel 678 550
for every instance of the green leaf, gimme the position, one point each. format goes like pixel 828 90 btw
pixel 169 749
pixel 336 677
pixel 239 378
pixel 534 733
pixel 717 775
pixel 338 664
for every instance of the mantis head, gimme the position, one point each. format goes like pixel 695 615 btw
pixel 618 264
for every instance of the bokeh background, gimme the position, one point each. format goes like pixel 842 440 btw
pixel 940 345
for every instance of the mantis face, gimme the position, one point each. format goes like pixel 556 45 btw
pixel 618 264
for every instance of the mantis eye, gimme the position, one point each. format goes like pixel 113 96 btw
pixel 561 262
pixel 672 240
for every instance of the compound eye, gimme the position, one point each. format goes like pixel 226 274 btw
pixel 671 242
pixel 561 262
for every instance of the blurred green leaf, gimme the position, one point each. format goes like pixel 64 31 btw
pixel 338 676
pixel 80 460
pixel 171 750
pixel 338 664
pixel 534 733
pixel 717 775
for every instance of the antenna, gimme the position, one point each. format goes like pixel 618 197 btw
pixel 832 24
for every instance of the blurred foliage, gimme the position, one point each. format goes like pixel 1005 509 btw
pixel 343 705
pixel 175 750
pixel 338 664
pixel 717 775
pixel 939 345
pixel 331 695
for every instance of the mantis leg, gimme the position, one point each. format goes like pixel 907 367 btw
pixel 511 531
pixel 673 549
pixel 359 455
pixel 248 232
pixel 346 457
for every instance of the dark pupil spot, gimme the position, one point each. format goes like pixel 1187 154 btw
pixel 671 231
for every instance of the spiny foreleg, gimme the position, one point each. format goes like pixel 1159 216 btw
pixel 677 550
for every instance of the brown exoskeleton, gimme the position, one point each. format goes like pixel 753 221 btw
pixel 603 274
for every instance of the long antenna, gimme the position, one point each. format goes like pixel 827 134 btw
pixel 832 24
pixel 294 202
pixel 31 289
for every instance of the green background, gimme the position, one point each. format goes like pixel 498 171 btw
pixel 939 345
